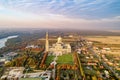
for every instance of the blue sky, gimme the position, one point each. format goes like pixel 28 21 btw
pixel 82 14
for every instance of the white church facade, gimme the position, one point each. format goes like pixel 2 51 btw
pixel 58 48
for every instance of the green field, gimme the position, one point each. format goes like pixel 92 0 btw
pixel 65 59
pixel 49 59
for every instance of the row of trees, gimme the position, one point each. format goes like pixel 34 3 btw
pixel 78 63
pixel 67 66
pixel 42 65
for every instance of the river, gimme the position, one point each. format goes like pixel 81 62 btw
pixel 4 40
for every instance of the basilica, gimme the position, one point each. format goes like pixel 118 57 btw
pixel 57 48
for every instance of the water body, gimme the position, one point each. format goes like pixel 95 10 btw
pixel 4 40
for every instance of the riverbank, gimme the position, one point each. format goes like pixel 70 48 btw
pixel 4 40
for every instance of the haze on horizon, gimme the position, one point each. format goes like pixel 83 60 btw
pixel 72 14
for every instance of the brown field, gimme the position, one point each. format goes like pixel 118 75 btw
pixel 105 39
pixel 113 42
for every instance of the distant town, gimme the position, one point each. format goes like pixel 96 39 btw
pixel 67 56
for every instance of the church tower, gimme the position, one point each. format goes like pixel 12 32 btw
pixel 47 43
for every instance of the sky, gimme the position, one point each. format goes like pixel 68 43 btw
pixel 64 14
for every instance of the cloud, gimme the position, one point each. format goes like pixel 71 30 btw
pixel 71 8
pixel 60 13
pixel 56 21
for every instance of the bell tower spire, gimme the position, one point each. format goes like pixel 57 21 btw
pixel 47 43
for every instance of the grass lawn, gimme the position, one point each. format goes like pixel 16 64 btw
pixel 0 68
pixel 49 59
pixel 65 59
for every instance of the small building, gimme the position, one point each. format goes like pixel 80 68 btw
pixel 1 63
pixel 32 46
pixel 107 49
pixel 11 55
pixel 8 57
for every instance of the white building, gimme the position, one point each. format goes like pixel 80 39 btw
pixel 31 46
pixel 58 48
pixel 13 73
